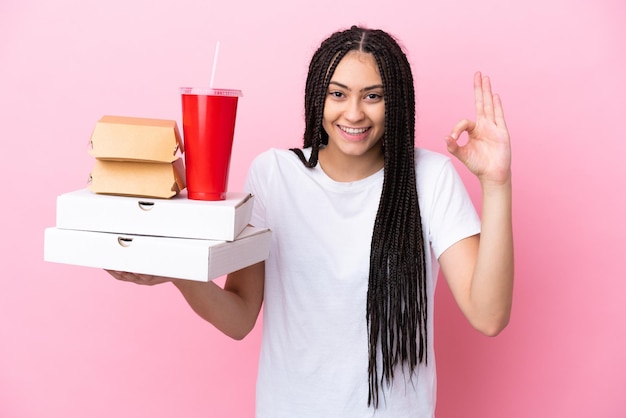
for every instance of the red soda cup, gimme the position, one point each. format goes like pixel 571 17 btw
pixel 208 129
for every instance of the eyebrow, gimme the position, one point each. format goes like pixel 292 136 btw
pixel 368 88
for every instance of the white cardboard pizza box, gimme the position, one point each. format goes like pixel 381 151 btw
pixel 182 258
pixel 178 217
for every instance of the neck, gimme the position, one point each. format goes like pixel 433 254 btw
pixel 346 168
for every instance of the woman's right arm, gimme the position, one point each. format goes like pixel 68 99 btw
pixel 233 309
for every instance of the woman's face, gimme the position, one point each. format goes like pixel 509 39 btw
pixel 354 109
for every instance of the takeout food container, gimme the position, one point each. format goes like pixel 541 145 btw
pixel 182 258
pixel 136 139
pixel 135 178
pixel 176 217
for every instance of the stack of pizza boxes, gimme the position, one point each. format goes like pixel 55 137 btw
pixel 135 215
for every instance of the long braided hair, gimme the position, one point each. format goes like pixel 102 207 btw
pixel 396 295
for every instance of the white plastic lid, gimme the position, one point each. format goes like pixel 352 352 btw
pixel 207 91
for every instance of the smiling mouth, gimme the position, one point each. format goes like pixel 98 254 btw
pixel 353 131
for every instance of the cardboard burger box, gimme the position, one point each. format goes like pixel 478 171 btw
pixel 182 258
pixel 137 157
pixel 136 178
pixel 136 139
pixel 176 217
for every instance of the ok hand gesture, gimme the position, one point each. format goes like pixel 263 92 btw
pixel 487 152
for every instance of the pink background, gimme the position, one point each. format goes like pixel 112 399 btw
pixel 76 343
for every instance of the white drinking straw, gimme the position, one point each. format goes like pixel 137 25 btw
pixel 217 50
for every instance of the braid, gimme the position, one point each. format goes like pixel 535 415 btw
pixel 321 68
pixel 396 310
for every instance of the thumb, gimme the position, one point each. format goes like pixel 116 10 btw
pixel 461 126
pixel 452 145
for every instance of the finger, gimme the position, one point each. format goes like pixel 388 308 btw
pixel 478 94
pixel 498 111
pixel 127 276
pixel 487 98
pixel 117 274
pixel 451 144
pixel 464 125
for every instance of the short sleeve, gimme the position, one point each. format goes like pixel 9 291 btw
pixel 452 213
pixel 257 184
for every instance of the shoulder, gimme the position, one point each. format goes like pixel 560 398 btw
pixel 437 178
pixel 272 160
pixel 430 166
pixel 273 156
pixel 427 160
pixel 276 166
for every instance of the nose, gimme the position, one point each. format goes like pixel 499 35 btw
pixel 354 110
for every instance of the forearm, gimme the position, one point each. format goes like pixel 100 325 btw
pixel 233 309
pixel 491 290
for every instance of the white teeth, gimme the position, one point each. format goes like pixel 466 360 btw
pixel 353 131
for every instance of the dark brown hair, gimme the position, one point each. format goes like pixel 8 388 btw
pixel 396 295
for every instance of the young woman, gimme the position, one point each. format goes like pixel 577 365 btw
pixel 361 222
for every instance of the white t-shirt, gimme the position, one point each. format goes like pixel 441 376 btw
pixel 314 354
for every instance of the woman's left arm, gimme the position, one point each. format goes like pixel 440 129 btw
pixel 479 269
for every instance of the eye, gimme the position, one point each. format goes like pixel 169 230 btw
pixel 373 97
pixel 336 94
